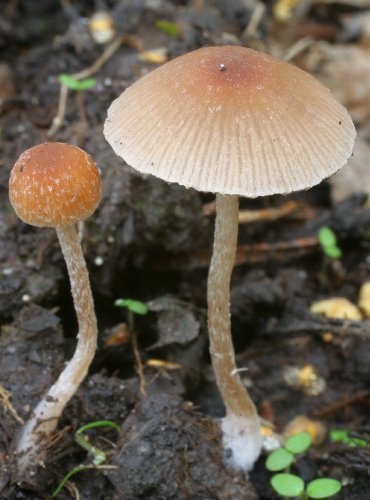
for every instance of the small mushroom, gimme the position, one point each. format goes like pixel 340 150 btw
pixel 58 185
pixel 232 121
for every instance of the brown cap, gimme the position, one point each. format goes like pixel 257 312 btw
pixel 54 184
pixel 231 120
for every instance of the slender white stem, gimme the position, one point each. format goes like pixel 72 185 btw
pixel 233 392
pixel 240 408
pixel 31 448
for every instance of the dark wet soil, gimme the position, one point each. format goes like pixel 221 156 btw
pixel 151 241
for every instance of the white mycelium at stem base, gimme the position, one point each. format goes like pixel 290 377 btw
pixel 32 440
pixel 240 426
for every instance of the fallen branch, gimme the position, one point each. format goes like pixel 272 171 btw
pixel 342 403
pixel 244 254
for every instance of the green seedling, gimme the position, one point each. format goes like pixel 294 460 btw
pixel 290 485
pixel 298 443
pixel 287 485
pixel 324 487
pixel 74 84
pixel 169 28
pixel 282 458
pixel 345 437
pixel 134 306
pixel 279 459
pixel 98 456
pixel 328 242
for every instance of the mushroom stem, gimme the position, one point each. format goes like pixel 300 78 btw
pixel 33 438
pixel 233 392
pixel 241 420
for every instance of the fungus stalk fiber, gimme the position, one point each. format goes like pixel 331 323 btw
pixel 233 392
pixel 32 443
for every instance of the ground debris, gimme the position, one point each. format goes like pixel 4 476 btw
pixel 336 307
pixel 147 233
pixel 177 323
pixel 32 354
pixel 169 450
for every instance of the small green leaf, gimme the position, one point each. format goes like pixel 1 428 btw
pixel 333 252
pixel 342 436
pixel 71 473
pixel 287 485
pixel 327 237
pixel 98 423
pixel 87 84
pixel 338 435
pixel 328 242
pixel 134 306
pixel 279 460
pixel 99 457
pixel 74 84
pixel 323 488
pixel 169 28
pixel 298 443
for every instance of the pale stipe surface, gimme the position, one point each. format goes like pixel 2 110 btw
pixel 231 120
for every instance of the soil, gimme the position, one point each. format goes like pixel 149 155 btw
pixel 151 241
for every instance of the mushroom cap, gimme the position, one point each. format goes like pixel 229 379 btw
pixel 231 120
pixel 54 184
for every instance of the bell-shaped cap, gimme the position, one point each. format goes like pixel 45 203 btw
pixel 54 184
pixel 231 120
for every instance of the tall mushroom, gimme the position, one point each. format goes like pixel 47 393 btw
pixel 58 185
pixel 232 121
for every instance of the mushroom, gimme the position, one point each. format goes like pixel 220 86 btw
pixel 58 185
pixel 233 121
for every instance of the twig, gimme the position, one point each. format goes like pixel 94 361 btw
pixel 56 437
pixel 105 56
pixel 59 118
pixel 244 254
pixel 342 403
pixel 101 60
pixel 298 48
pixel 269 214
pixel 72 488
pixel 247 216
pixel 139 363
pixel 135 348
pixel 338 327
pixel 5 399
pixel 257 15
